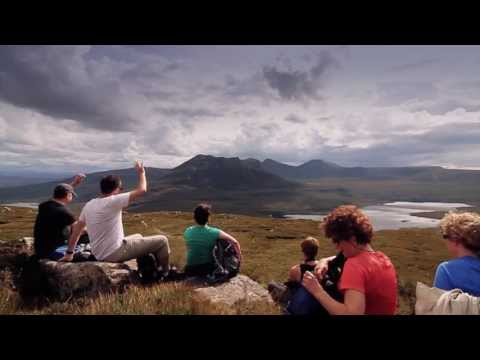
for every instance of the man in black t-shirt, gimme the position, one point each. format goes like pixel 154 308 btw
pixel 53 223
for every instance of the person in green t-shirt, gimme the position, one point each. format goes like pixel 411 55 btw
pixel 200 240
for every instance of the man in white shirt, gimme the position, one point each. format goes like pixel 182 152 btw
pixel 103 217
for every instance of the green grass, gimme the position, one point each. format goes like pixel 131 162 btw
pixel 164 299
pixel 270 247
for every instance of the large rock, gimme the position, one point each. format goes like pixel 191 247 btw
pixel 238 289
pixel 14 253
pixel 66 280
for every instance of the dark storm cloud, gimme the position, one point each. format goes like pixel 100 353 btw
pixel 447 106
pixel 295 119
pixel 252 86
pixel 397 93
pixel 297 84
pixel 55 81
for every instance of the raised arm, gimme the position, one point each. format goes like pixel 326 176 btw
pixel 224 236
pixel 78 179
pixel 142 183
pixel 77 230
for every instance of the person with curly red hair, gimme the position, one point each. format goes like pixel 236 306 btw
pixel 368 280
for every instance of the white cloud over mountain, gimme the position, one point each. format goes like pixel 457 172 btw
pixel 83 108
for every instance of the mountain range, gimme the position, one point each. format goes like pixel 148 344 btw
pixel 260 187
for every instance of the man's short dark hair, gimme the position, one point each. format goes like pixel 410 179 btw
pixel 109 184
pixel 59 192
pixel 62 190
pixel 202 213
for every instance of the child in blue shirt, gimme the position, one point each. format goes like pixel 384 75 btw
pixel 461 233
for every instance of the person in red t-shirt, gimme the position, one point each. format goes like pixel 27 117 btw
pixel 368 279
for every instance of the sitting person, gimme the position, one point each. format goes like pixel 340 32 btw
pixel 54 221
pixel 103 216
pixel 461 233
pixel 309 248
pixel 368 280
pixel 200 240
pixel 283 292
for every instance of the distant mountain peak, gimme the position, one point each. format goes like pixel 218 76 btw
pixel 317 162
pixel 225 173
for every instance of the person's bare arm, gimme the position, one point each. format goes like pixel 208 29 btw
pixel 78 179
pixel 141 188
pixel 77 231
pixel 294 273
pixel 223 235
pixel 354 301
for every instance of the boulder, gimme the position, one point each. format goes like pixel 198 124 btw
pixel 14 253
pixel 238 289
pixel 66 280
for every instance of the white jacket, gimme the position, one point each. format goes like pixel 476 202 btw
pixel 434 301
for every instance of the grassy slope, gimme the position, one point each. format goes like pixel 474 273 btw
pixel 270 247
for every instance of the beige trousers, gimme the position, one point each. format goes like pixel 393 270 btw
pixel 136 245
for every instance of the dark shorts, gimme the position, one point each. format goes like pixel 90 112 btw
pixel 199 270
pixel 304 303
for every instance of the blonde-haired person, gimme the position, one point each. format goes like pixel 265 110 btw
pixel 461 232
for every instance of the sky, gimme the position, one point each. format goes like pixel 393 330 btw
pixel 89 108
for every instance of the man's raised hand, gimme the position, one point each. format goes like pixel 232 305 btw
pixel 77 180
pixel 139 167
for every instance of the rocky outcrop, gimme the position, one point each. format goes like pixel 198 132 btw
pixel 66 280
pixel 14 253
pixel 63 281
pixel 238 289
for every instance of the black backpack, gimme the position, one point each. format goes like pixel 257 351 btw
pixel 32 282
pixel 226 262
pixel 147 268
pixel 303 303
pixel 332 277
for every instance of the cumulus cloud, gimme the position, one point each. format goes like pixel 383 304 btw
pixel 324 118
pixel 83 108
pixel 49 144
pixel 186 112
pixel 295 119
pixel 398 93
pixel 446 106
pixel 428 148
